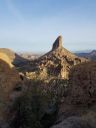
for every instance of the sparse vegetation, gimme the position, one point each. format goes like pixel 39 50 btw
pixel 38 106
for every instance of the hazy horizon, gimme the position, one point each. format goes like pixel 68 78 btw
pixel 32 25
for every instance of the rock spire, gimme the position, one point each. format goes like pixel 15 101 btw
pixel 58 43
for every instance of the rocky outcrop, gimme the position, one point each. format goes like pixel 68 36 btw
pixel 77 122
pixel 76 116
pixel 58 43
pixel 14 57
pixel 5 58
pixel 8 52
pixel 78 109
pixel 9 80
pixel 82 81
pixel 58 61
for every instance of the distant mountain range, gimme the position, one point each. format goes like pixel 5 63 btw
pixel 90 55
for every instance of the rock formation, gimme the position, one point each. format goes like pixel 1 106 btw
pixel 14 57
pixel 79 107
pixel 9 80
pixel 86 121
pixel 59 60
pixel 5 58
pixel 82 80
pixel 58 43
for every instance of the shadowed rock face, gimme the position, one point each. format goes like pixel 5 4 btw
pixel 82 79
pixel 76 122
pixel 79 107
pixel 57 43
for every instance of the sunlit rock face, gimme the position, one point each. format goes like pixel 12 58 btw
pixel 15 59
pixel 5 58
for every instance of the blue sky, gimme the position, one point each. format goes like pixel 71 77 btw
pixel 33 25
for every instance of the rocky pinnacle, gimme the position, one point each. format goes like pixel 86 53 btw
pixel 58 43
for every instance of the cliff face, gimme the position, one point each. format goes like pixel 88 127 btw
pixel 15 59
pixel 58 43
pixel 59 60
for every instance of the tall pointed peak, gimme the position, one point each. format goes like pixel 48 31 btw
pixel 58 43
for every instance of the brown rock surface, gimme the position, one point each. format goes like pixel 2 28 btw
pixel 77 122
pixel 9 53
pixel 5 58
pixel 82 80
pixel 9 79
pixel 79 108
